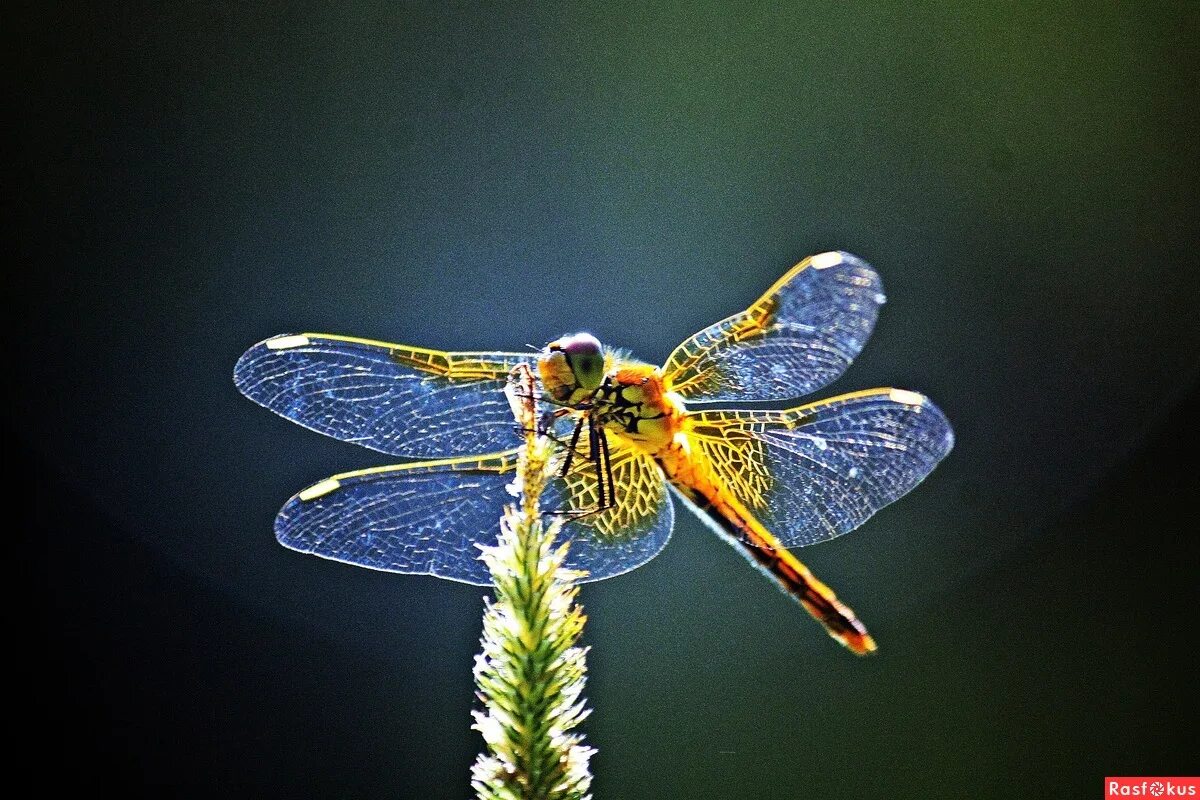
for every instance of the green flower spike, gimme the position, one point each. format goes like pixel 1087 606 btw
pixel 531 672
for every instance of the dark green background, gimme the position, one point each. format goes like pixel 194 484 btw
pixel 193 177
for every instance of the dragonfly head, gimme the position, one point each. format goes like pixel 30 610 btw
pixel 570 364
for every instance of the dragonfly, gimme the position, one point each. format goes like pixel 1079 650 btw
pixel 764 479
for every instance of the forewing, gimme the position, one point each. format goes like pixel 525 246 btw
pixel 799 336
pixel 427 518
pixel 820 470
pixel 400 400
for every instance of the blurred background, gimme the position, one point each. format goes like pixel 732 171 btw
pixel 191 178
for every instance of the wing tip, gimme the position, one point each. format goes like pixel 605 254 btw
pixel 282 528
pixel 867 278
pixel 917 400
pixel 319 489
pixel 907 397
pixel 828 259
pixel 287 341
pixel 242 374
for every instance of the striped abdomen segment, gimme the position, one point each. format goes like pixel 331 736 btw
pixel 741 529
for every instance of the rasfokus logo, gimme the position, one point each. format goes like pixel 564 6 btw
pixel 1151 787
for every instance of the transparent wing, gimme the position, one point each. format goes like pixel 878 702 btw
pixel 796 338
pixel 629 533
pixel 426 518
pixel 820 470
pixel 400 400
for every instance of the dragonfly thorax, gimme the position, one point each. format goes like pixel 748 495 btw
pixel 621 395
pixel 633 403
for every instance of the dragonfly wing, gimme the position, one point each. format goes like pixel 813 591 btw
pixel 427 518
pixel 799 336
pixel 626 535
pixel 420 518
pixel 400 400
pixel 820 470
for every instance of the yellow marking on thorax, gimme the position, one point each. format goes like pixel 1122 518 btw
pixel 637 408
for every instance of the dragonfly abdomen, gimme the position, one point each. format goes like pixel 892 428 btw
pixel 734 523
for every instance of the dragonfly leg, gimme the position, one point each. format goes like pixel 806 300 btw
pixel 566 468
pixel 605 472
pixel 545 423
pixel 600 460
pixel 597 455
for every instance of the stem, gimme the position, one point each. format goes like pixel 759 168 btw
pixel 531 672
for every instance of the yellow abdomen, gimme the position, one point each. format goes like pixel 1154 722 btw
pixel 688 470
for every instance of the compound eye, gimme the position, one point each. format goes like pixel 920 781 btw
pixel 585 356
